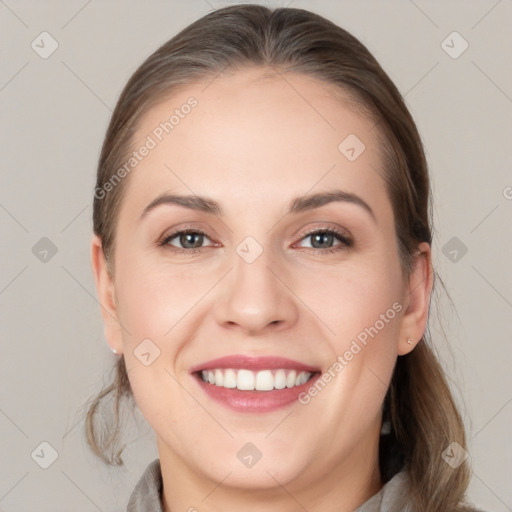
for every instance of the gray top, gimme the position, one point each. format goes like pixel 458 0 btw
pixel 146 496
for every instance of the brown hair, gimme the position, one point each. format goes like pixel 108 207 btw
pixel 419 405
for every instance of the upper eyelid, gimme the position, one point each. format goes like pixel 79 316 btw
pixel 342 232
pixel 175 234
pixel 344 238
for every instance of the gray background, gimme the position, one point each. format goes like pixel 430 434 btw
pixel 54 115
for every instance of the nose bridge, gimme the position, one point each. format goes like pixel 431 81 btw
pixel 251 266
pixel 253 297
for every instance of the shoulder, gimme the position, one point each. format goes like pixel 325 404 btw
pixel 147 494
pixel 394 496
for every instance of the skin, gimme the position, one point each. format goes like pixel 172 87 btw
pixel 253 144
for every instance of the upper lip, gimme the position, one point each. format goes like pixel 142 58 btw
pixel 254 363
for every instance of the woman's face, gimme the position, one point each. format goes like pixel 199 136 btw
pixel 252 284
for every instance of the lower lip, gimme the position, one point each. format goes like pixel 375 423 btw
pixel 255 401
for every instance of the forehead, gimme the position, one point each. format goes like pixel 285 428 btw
pixel 256 137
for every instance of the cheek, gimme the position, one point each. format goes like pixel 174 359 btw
pixel 352 298
pixel 153 300
pixel 153 306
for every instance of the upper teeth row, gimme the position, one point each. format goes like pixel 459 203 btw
pixel 248 380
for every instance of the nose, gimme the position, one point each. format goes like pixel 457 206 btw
pixel 255 298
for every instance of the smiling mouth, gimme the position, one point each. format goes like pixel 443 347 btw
pixel 247 380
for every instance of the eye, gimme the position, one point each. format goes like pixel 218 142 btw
pixel 324 239
pixel 186 240
pixel 191 240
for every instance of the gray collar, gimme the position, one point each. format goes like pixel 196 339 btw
pixel 147 495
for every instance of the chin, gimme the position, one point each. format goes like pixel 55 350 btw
pixel 263 476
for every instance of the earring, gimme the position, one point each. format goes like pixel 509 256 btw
pixel 410 341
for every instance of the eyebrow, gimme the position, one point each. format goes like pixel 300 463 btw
pixel 297 205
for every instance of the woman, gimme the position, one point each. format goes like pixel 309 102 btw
pixel 262 257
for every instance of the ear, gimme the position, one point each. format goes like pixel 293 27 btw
pixel 416 300
pixel 106 295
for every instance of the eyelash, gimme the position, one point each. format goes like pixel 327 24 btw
pixel 345 241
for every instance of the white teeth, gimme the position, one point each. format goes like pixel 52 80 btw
pixel 264 381
pixel 229 379
pixel 291 378
pixel 247 380
pixel 280 379
pixel 301 379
